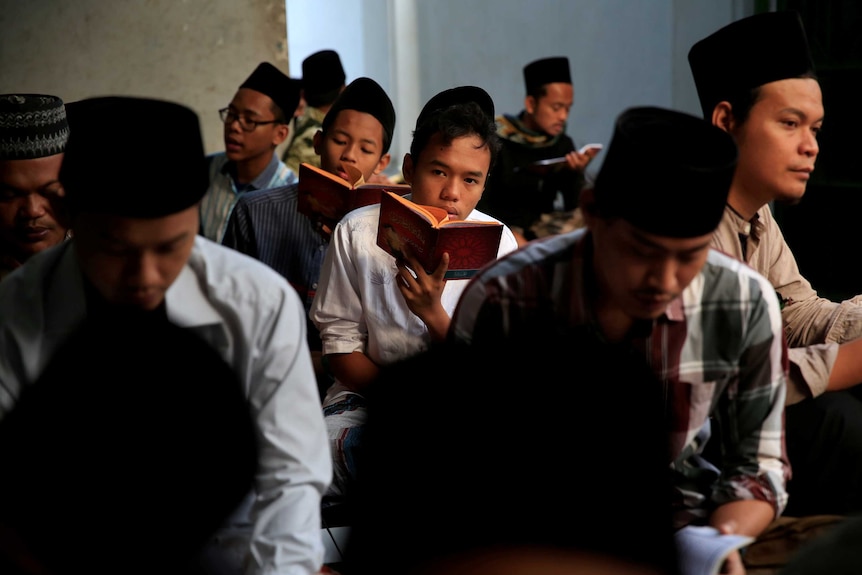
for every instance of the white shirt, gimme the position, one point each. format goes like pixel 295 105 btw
pixel 252 316
pixel 358 306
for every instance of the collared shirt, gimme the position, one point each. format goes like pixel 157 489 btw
pixel 358 306
pixel 254 319
pixel 301 149
pixel 266 225
pixel 814 326
pixel 222 194
pixel 718 349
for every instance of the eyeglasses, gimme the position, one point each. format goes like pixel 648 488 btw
pixel 247 125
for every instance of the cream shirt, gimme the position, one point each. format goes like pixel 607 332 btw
pixel 814 326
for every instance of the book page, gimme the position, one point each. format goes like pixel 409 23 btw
pixel 434 215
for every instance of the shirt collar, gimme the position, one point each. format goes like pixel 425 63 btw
pixel 260 182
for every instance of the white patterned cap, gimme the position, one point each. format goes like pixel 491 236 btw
pixel 32 126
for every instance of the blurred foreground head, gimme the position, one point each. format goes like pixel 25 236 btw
pixel 130 450
pixel 493 472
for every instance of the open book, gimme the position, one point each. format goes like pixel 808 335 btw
pixel 554 164
pixel 427 233
pixel 326 198
pixel 702 549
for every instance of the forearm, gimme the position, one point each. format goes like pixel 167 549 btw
pixel 747 517
pixel 354 370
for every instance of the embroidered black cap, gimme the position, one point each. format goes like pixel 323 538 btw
pixel 546 71
pixel 32 126
pixel 96 171
pixel 282 89
pixel 749 53
pixel 666 172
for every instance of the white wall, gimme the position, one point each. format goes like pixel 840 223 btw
pixel 622 52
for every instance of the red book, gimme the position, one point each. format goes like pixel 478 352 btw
pixel 428 232
pixel 326 198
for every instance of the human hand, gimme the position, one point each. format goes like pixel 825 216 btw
pixel 380 178
pixel 577 161
pixel 733 565
pixel 423 292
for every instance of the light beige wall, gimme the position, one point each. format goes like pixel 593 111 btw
pixel 195 52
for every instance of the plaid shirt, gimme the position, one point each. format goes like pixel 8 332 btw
pixel 718 349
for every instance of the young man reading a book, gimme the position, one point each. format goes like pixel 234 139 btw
pixel 372 309
pixel 266 224
pixel 756 80
pixel 642 277
pixel 536 202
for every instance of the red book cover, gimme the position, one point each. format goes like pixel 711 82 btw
pixel 428 234
pixel 327 198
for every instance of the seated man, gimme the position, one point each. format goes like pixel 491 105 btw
pixel 642 277
pixel 33 134
pixel 370 308
pixel 137 252
pixel 535 201
pixel 256 121
pixel 323 79
pixel 756 80
pixel 266 225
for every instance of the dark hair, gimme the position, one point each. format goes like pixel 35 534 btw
pixel 538 92
pixel 741 103
pixel 280 116
pixel 329 120
pixel 457 121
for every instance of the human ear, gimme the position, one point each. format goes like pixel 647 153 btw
pixel 407 168
pixel 317 141
pixel 722 116
pixel 382 163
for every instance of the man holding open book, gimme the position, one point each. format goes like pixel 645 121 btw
pixel 373 309
pixel 535 198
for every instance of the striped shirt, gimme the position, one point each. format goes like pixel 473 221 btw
pixel 223 192
pixel 266 225
pixel 718 350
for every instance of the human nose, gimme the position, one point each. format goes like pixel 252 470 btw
pixel 143 269
pixel 663 275
pixel 810 146
pixel 348 153
pixel 451 190
pixel 33 207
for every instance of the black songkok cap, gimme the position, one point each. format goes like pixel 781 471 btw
pixel 322 77
pixel 32 126
pixel 749 53
pixel 455 96
pixel 364 95
pixel 546 71
pixel 95 170
pixel 666 172
pixel 281 88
